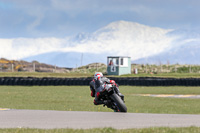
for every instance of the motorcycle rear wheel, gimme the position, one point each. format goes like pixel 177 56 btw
pixel 120 104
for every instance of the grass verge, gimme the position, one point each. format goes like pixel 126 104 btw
pixel 106 130
pixel 165 75
pixel 44 74
pixel 77 98
pixel 90 74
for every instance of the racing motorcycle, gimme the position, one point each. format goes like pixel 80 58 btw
pixel 114 99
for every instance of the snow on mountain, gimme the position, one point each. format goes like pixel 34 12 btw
pixel 127 38
pixel 142 43
pixel 187 52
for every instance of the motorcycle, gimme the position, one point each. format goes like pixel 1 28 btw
pixel 114 99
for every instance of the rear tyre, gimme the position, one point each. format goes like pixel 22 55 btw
pixel 120 104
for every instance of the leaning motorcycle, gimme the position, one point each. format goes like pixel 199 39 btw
pixel 115 100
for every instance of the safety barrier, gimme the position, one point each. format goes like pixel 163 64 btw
pixel 132 81
pixel 32 81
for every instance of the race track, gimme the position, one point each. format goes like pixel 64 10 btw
pixel 45 119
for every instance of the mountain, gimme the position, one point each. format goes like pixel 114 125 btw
pixel 127 38
pixel 144 44
pixel 185 50
pixel 119 38
pixel 185 54
pixel 69 59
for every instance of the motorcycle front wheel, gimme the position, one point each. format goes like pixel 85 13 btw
pixel 119 103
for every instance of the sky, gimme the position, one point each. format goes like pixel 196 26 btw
pixel 62 18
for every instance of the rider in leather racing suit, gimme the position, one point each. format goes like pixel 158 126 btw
pixel 97 87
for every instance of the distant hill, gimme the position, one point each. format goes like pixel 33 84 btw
pixel 21 65
pixel 143 43
pixel 121 38
pixel 69 59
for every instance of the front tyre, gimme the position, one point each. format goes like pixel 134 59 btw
pixel 120 104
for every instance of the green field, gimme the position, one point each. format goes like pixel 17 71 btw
pixel 44 74
pixel 165 75
pixel 77 98
pixel 76 74
pixel 106 130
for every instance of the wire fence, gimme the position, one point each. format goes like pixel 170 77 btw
pixel 166 68
pixel 135 68
pixel 28 68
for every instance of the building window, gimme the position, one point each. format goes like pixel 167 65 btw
pixel 122 61
pixel 113 61
pixel 110 62
pixel 117 61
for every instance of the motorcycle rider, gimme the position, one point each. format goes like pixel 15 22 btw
pixel 97 87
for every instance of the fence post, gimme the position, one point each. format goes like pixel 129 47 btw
pixel 175 69
pixel 146 68
pixel 161 67
pixel 12 67
pixel 55 69
pixel 33 67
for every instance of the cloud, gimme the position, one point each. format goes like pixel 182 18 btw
pixel 24 47
pixel 59 18
pixel 117 38
pixel 99 6
pixel 35 9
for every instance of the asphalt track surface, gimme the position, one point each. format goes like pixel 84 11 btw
pixel 45 119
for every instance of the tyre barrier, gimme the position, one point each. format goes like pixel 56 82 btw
pixel 131 81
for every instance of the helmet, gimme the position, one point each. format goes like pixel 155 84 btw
pixel 98 75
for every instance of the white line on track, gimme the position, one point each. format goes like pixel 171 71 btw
pixel 169 95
